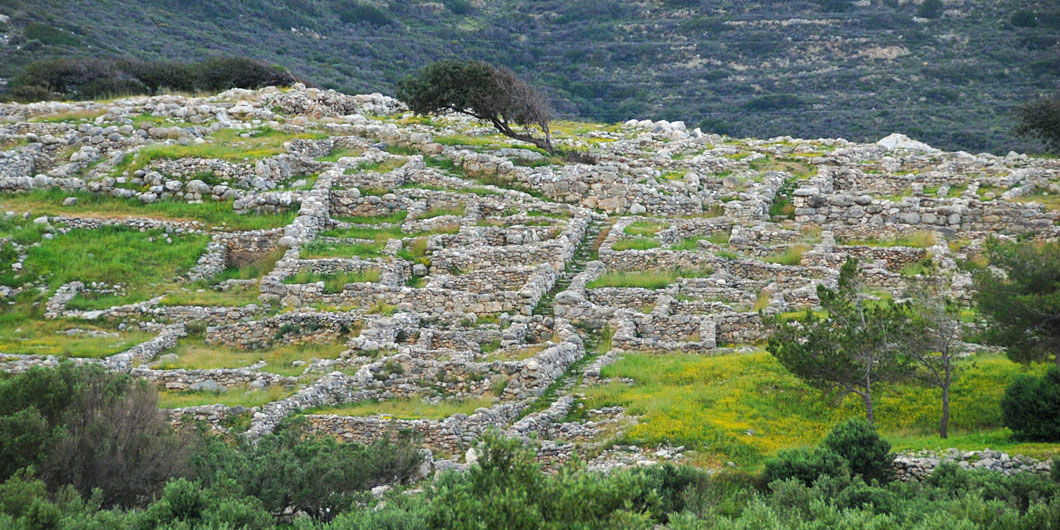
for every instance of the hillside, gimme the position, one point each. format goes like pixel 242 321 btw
pixel 859 70
pixel 259 255
pixel 435 318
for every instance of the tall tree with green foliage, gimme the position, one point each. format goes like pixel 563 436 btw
pixel 483 91
pixel 1020 297
pixel 856 345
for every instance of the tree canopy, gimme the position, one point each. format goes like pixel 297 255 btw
pixel 855 345
pixel 483 91
pixel 1041 119
pixel 1020 298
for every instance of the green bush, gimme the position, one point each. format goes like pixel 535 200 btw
pixel 930 9
pixel 1031 407
pixel 860 445
pixel 83 426
pixel 806 465
pixel 49 35
pixel 88 78
pixel 367 13
pixel 310 474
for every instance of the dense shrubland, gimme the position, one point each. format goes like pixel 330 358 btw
pixel 290 480
pixel 87 78
pixel 728 66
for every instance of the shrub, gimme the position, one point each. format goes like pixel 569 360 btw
pixel 49 35
pixel 83 426
pixel 806 465
pixel 1031 407
pixel 364 13
pixel 311 474
pixel 1023 19
pixel 458 7
pixel 861 446
pixel 1041 119
pixel 930 9
pixel 87 78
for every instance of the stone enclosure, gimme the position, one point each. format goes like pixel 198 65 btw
pixel 372 272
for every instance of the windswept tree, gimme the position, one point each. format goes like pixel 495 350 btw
pixel 853 347
pixel 483 91
pixel 1041 119
pixel 1020 298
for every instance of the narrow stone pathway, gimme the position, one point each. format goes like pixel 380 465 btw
pixel 582 256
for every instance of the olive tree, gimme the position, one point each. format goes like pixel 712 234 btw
pixel 483 91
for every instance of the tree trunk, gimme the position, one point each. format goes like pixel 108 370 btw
pixel 505 129
pixel 944 422
pixel 870 415
pixel 543 143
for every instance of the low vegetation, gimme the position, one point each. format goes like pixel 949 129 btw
pixel 211 213
pixel 193 353
pixel 334 283
pixel 745 408
pixel 414 408
pixel 644 279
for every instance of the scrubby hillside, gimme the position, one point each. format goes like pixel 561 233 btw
pixel 859 70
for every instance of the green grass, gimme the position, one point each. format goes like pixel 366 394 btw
pixel 333 283
pixel 414 251
pixel 710 403
pixel 48 337
pixel 487 143
pixel 114 255
pixel 254 268
pixel 203 295
pixel 368 232
pixel 643 228
pixel 438 211
pixel 692 243
pixel 637 243
pixel 791 256
pixel 225 144
pixel 956 191
pixel 921 239
pixel 195 354
pixel 1051 201
pixel 383 166
pixel 920 268
pixel 984 190
pixel 391 218
pixel 211 213
pixel 444 164
pixel 644 279
pixel 319 249
pixel 234 397
pixel 335 155
pixel 407 409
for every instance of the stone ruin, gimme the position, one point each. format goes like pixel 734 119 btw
pixel 453 267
